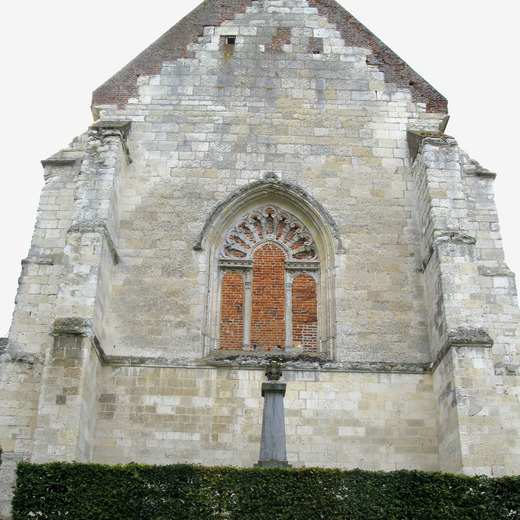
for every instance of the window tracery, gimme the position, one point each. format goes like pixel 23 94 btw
pixel 315 252
pixel 269 224
pixel 269 248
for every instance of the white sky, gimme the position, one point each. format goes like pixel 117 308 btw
pixel 54 53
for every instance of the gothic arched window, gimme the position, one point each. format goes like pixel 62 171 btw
pixel 268 266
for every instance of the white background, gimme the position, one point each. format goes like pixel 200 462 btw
pixel 54 53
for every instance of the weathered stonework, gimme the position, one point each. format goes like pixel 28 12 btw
pixel 277 141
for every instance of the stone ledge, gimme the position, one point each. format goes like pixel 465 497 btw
pixel 43 259
pixel 12 354
pixel 61 161
pixel 260 360
pixel 461 337
pixel 473 168
pixel 117 126
pixel 469 337
pixel 495 271
pixel 72 327
pixel 256 360
pixel 416 138
pixel 453 237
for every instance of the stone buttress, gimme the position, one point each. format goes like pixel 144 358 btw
pixel 473 317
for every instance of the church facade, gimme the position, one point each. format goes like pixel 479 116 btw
pixel 266 181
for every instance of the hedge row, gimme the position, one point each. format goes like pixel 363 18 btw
pixel 186 492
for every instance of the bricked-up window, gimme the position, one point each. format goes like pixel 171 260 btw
pixel 232 314
pixel 278 261
pixel 268 309
pixel 315 46
pixel 281 38
pixel 305 312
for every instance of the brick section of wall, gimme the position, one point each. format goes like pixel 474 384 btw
pixel 173 45
pixel 281 38
pixel 232 313
pixel 268 310
pixel 394 68
pixel 305 312
pixel 315 46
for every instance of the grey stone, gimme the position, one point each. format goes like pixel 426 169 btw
pixel 273 450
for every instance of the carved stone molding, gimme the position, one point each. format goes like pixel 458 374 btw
pixel 280 190
pixel 269 224
pixel 461 337
pixel 273 212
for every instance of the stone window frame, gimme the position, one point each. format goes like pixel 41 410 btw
pixel 244 266
pixel 317 221
pixel 228 42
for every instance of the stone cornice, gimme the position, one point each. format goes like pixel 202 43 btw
pixel 290 361
pixel 72 327
pixel 272 185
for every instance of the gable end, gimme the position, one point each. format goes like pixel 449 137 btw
pixel 174 43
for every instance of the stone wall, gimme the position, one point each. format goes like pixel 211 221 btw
pixel 467 286
pixel 213 416
pixel 328 124
pixel 137 316
pixel 20 383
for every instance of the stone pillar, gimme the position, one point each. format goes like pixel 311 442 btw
pixel 248 305
pixel 273 451
pixel 471 437
pixel 20 374
pixel 289 278
pixel 66 419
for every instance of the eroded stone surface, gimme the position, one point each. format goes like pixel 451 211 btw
pixel 114 352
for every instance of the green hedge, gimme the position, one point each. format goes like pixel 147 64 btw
pixel 186 492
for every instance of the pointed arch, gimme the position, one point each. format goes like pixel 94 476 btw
pixel 271 186
pixel 286 216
